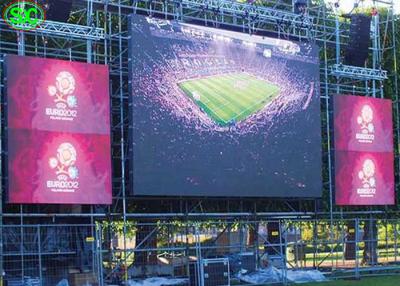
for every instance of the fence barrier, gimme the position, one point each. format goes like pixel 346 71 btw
pixel 199 252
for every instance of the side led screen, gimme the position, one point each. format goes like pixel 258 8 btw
pixel 364 170
pixel 58 122
pixel 220 113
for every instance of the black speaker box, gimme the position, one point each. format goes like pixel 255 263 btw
pixel 350 245
pixel 274 239
pixel 57 10
pixel 300 6
pixel 370 253
pixel 357 51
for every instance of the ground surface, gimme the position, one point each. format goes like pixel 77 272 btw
pixel 230 98
pixel 376 281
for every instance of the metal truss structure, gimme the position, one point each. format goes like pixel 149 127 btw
pixel 99 34
pixel 67 30
pixel 340 70
pixel 250 12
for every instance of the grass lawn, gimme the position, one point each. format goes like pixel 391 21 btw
pixel 230 98
pixel 375 281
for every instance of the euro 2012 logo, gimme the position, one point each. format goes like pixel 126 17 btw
pixel 64 163
pixel 367 178
pixel 63 94
pixel 365 122
pixel 66 171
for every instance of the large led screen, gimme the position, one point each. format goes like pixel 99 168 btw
pixel 58 141
pixel 364 164
pixel 220 113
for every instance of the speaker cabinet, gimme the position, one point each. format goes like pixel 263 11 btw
pixel 357 51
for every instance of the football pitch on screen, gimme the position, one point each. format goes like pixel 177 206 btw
pixel 230 98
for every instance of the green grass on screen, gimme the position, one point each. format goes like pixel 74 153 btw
pixel 230 98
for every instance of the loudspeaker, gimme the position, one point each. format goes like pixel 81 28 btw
pixel 274 239
pixel 300 6
pixel 350 244
pixel 357 51
pixel 370 253
pixel 57 10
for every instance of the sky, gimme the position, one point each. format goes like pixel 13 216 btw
pixel 347 5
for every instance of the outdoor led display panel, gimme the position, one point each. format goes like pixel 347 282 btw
pixel 220 113
pixel 58 141
pixel 364 178
pixel 363 123
pixel 364 159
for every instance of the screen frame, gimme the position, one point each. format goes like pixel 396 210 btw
pixel 131 136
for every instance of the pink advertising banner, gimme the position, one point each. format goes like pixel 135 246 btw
pixel 58 132
pixel 59 167
pixel 364 178
pixel 363 123
pixel 364 164
pixel 55 95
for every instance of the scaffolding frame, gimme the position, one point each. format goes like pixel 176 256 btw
pixel 101 35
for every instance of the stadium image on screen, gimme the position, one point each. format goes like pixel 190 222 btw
pixel 229 98
pixel 220 113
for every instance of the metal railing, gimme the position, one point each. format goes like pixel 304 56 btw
pixel 350 248
pixel 47 254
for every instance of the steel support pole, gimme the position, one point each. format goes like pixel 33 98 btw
pixel 2 127
pixel 357 227
pixel 89 23
pixel 39 241
pixel 122 116
pixel 328 124
pixel 396 91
